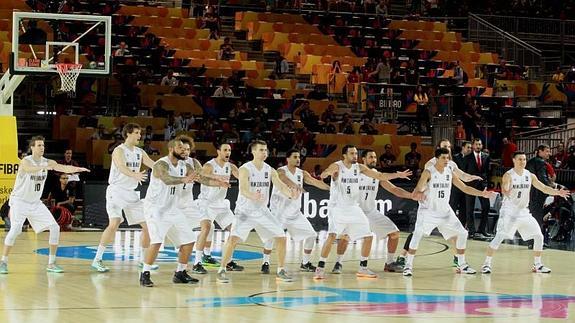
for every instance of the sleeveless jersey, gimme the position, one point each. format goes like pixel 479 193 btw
pixel 368 192
pixel 133 160
pixel 258 180
pixel 438 190
pixel 282 203
pixel 160 195
pixel 29 186
pixel 346 185
pixel 520 189
pixel 187 190
pixel 211 193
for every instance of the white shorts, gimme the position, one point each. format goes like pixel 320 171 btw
pixel 350 221
pixel 219 211
pixel 36 212
pixel 446 222
pixel 262 220
pixel 513 220
pixel 380 224
pixel 118 199
pixel 172 225
pixel 297 225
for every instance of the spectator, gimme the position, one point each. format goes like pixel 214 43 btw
pixel 537 166
pixel 382 72
pixel 118 140
pixel 123 50
pixel 100 133
pixel 63 194
pixel 422 101
pixel 281 66
pixel 224 90
pixel 509 148
pixel 170 129
pixel 149 149
pixel 470 118
pixel 329 115
pixel 169 79
pixel 458 74
pixel 148 133
pixel 226 52
pixel 382 8
pixel 570 77
pixel 182 89
pixel 72 178
pixel 367 128
pixel 88 120
pixel 387 159
pixel 560 158
pixel 317 94
pixel 558 76
pixel 413 158
pixel 211 21
pixel 412 73
pixel 502 72
pixel 158 111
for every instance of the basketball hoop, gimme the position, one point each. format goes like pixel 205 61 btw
pixel 68 76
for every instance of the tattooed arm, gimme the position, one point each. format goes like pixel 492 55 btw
pixel 160 171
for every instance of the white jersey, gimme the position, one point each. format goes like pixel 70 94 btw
pixel 451 164
pixel 520 189
pixel 29 186
pixel 438 190
pixel 259 180
pixel 133 160
pixel 213 193
pixel 346 186
pixel 187 192
pixel 368 192
pixel 160 195
pixel 280 200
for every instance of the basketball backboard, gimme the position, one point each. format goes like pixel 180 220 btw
pixel 41 40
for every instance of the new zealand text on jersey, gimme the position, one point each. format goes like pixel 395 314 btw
pixel 349 180
pixel 440 185
pixel 520 186
pixel 260 184
pixel 38 178
pixel 133 164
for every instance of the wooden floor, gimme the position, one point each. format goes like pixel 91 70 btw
pixel 435 293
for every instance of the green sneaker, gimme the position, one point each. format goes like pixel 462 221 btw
pixel 153 267
pixel 455 264
pixel 53 268
pixel 400 261
pixel 209 261
pixel 99 266
pixel 3 268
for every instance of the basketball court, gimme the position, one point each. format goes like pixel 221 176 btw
pixel 435 293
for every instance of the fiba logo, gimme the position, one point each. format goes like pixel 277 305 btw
pixel 9 169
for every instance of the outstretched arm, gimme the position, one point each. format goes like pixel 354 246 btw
pixel 546 189
pixel 400 192
pixel 282 186
pixel 120 162
pixel 472 191
pixel 308 179
pixel 204 176
pixel 330 171
pixel 68 169
pixel 161 172
pixel 383 176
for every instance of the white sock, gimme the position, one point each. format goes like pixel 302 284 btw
pixel 199 256
pixel 51 259
pixel 537 260
pixel 5 259
pixel 100 252
pixel 488 260
pixel 146 267
pixel 280 269
pixel 339 258
pixel 266 258
pixel 221 269
pixel 306 258
pixel 208 251
pixel 461 260
pixel 182 267
pixel 390 257
pixel 362 258
pixel 409 260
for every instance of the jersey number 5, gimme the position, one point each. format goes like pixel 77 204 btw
pixel 348 190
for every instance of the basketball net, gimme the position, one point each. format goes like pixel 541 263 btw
pixel 68 76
